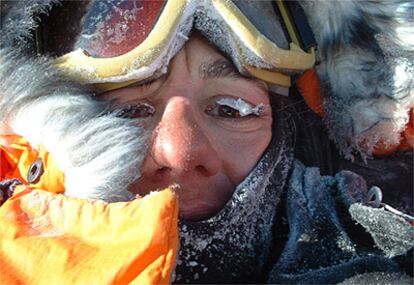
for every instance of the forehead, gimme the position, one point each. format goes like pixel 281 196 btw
pixel 199 52
pixel 204 61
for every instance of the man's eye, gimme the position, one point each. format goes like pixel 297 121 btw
pixel 141 110
pixel 223 111
pixel 234 109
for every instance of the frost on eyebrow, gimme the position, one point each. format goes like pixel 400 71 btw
pixel 218 68
pixel 242 106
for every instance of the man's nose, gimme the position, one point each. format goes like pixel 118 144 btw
pixel 179 147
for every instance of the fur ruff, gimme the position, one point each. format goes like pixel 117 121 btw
pixel 38 103
pixel 367 92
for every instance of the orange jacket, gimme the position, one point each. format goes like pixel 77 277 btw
pixel 49 238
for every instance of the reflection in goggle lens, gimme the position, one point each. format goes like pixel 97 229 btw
pixel 115 27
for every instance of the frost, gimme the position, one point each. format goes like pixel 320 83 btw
pixel 182 35
pixel 399 237
pixel 101 27
pixel 214 27
pixel 193 263
pixel 345 244
pixel 304 238
pixel 38 223
pixel 242 106
pixel 378 278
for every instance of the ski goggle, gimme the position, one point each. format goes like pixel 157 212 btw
pixel 125 41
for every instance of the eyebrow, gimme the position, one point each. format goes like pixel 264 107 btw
pixel 216 69
pixel 222 68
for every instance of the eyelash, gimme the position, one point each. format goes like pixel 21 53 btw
pixel 137 111
pixel 146 84
pixel 226 112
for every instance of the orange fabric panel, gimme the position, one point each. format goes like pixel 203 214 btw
pixel 10 152
pixel 48 238
pixel 309 87
pixel 16 157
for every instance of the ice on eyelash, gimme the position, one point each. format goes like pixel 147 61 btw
pixel 242 106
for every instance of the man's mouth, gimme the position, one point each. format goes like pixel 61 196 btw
pixel 197 201
pixel 199 213
pixel 198 206
pixel 195 209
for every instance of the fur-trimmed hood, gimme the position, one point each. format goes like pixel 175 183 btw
pixel 365 55
pixel 38 103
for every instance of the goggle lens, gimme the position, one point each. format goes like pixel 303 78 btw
pixel 112 28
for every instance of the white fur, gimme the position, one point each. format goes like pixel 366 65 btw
pixel 367 94
pixel 99 153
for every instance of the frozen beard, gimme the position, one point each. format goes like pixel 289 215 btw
pixel 233 246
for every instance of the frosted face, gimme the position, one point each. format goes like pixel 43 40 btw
pixel 210 127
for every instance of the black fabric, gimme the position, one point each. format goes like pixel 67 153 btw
pixel 392 173
pixel 301 24
pixel 406 261
pixel 319 248
pixel 7 189
pixel 315 239
pixel 59 29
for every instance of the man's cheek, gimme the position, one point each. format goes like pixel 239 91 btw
pixel 240 155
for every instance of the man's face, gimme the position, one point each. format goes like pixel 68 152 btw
pixel 210 127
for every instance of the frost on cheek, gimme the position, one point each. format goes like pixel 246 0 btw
pixel 244 108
